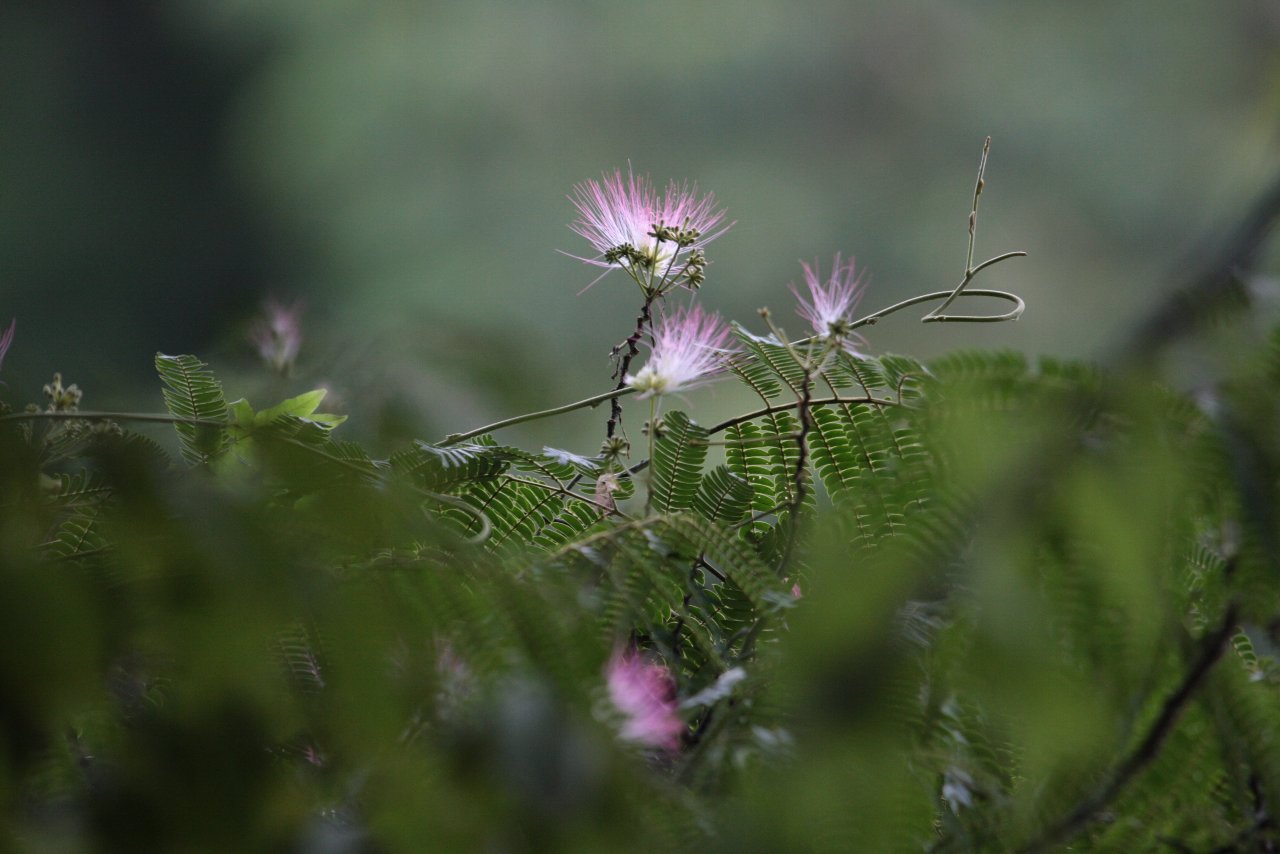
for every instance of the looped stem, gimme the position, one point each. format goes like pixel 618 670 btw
pixel 1018 307
pixel 486 528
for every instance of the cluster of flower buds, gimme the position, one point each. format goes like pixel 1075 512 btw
pixel 685 235
pixel 626 255
pixel 656 428
pixel 614 449
pixel 62 398
pixel 695 270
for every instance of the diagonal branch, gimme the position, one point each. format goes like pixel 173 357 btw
pixel 1086 813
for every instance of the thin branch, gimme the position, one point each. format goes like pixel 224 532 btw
pixel 643 321
pixel 1211 648
pixel 779 407
pixel 969 271
pixel 568 493
pixel 1217 282
pixel 810 363
pixel 485 527
pixel 111 416
pixel 636 468
pixel 746 443
pixel 578 545
pixel 596 400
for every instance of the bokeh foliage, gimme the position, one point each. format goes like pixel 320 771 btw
pixel 403 166
pixel 1008 604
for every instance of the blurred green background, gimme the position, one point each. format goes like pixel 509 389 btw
pixel 403 166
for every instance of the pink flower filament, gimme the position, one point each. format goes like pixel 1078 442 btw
pixel 645 693
pixel 689 347
pixel 831 302
pixel 652 237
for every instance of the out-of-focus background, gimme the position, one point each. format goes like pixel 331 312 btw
pixel 403 167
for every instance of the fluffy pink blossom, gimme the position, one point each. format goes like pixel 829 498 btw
pixel 278 335
pixel 645 693
pixel 831 303
pixel 688 348
pixel 618 217
pixel 6 340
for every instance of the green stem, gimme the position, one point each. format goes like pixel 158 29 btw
pixel 969 272
pixel 609 534
pixel 746 443
pixel 653 429
pixel 868 320
pixel 568 493
pixel 485 527
pixel 973 213
pixel 454 438
pixel 110 416
pixel 1014 314
pixel 779 407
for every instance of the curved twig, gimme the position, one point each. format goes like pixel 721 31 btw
pixel 1211 648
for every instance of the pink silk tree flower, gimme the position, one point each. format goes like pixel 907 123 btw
pixel 831 302
pixel 645 693
pixel 278 334
pixel 689 348
pixel 634 228
pixel 6 340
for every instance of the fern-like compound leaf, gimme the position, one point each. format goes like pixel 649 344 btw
pixel 678 455
pixel 444 469
pixel 723 496
pixel 192 392
pixel 755 460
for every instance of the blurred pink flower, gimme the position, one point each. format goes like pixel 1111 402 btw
pixel 831 302
pixel 689 347
pixel 6 340
pixel 645 693
pixel 620 217
pixel 278 334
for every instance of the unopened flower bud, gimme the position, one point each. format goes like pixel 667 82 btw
pixel 614 448
pixel 62 399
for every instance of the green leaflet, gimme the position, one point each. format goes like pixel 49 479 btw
pixel 771 359
pixel 763 455
pixel 517 511
pixel 751 459
pixel 444 469
pixel 866 375
pixel 192 392
pixel 574 520
pixel 79 535
pixel 996 628
pixel 82 487
pixel 678 455
pixel 1001 366
pixel 723 496
pixel 833 455
pixel 299 653
pixel 735 560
